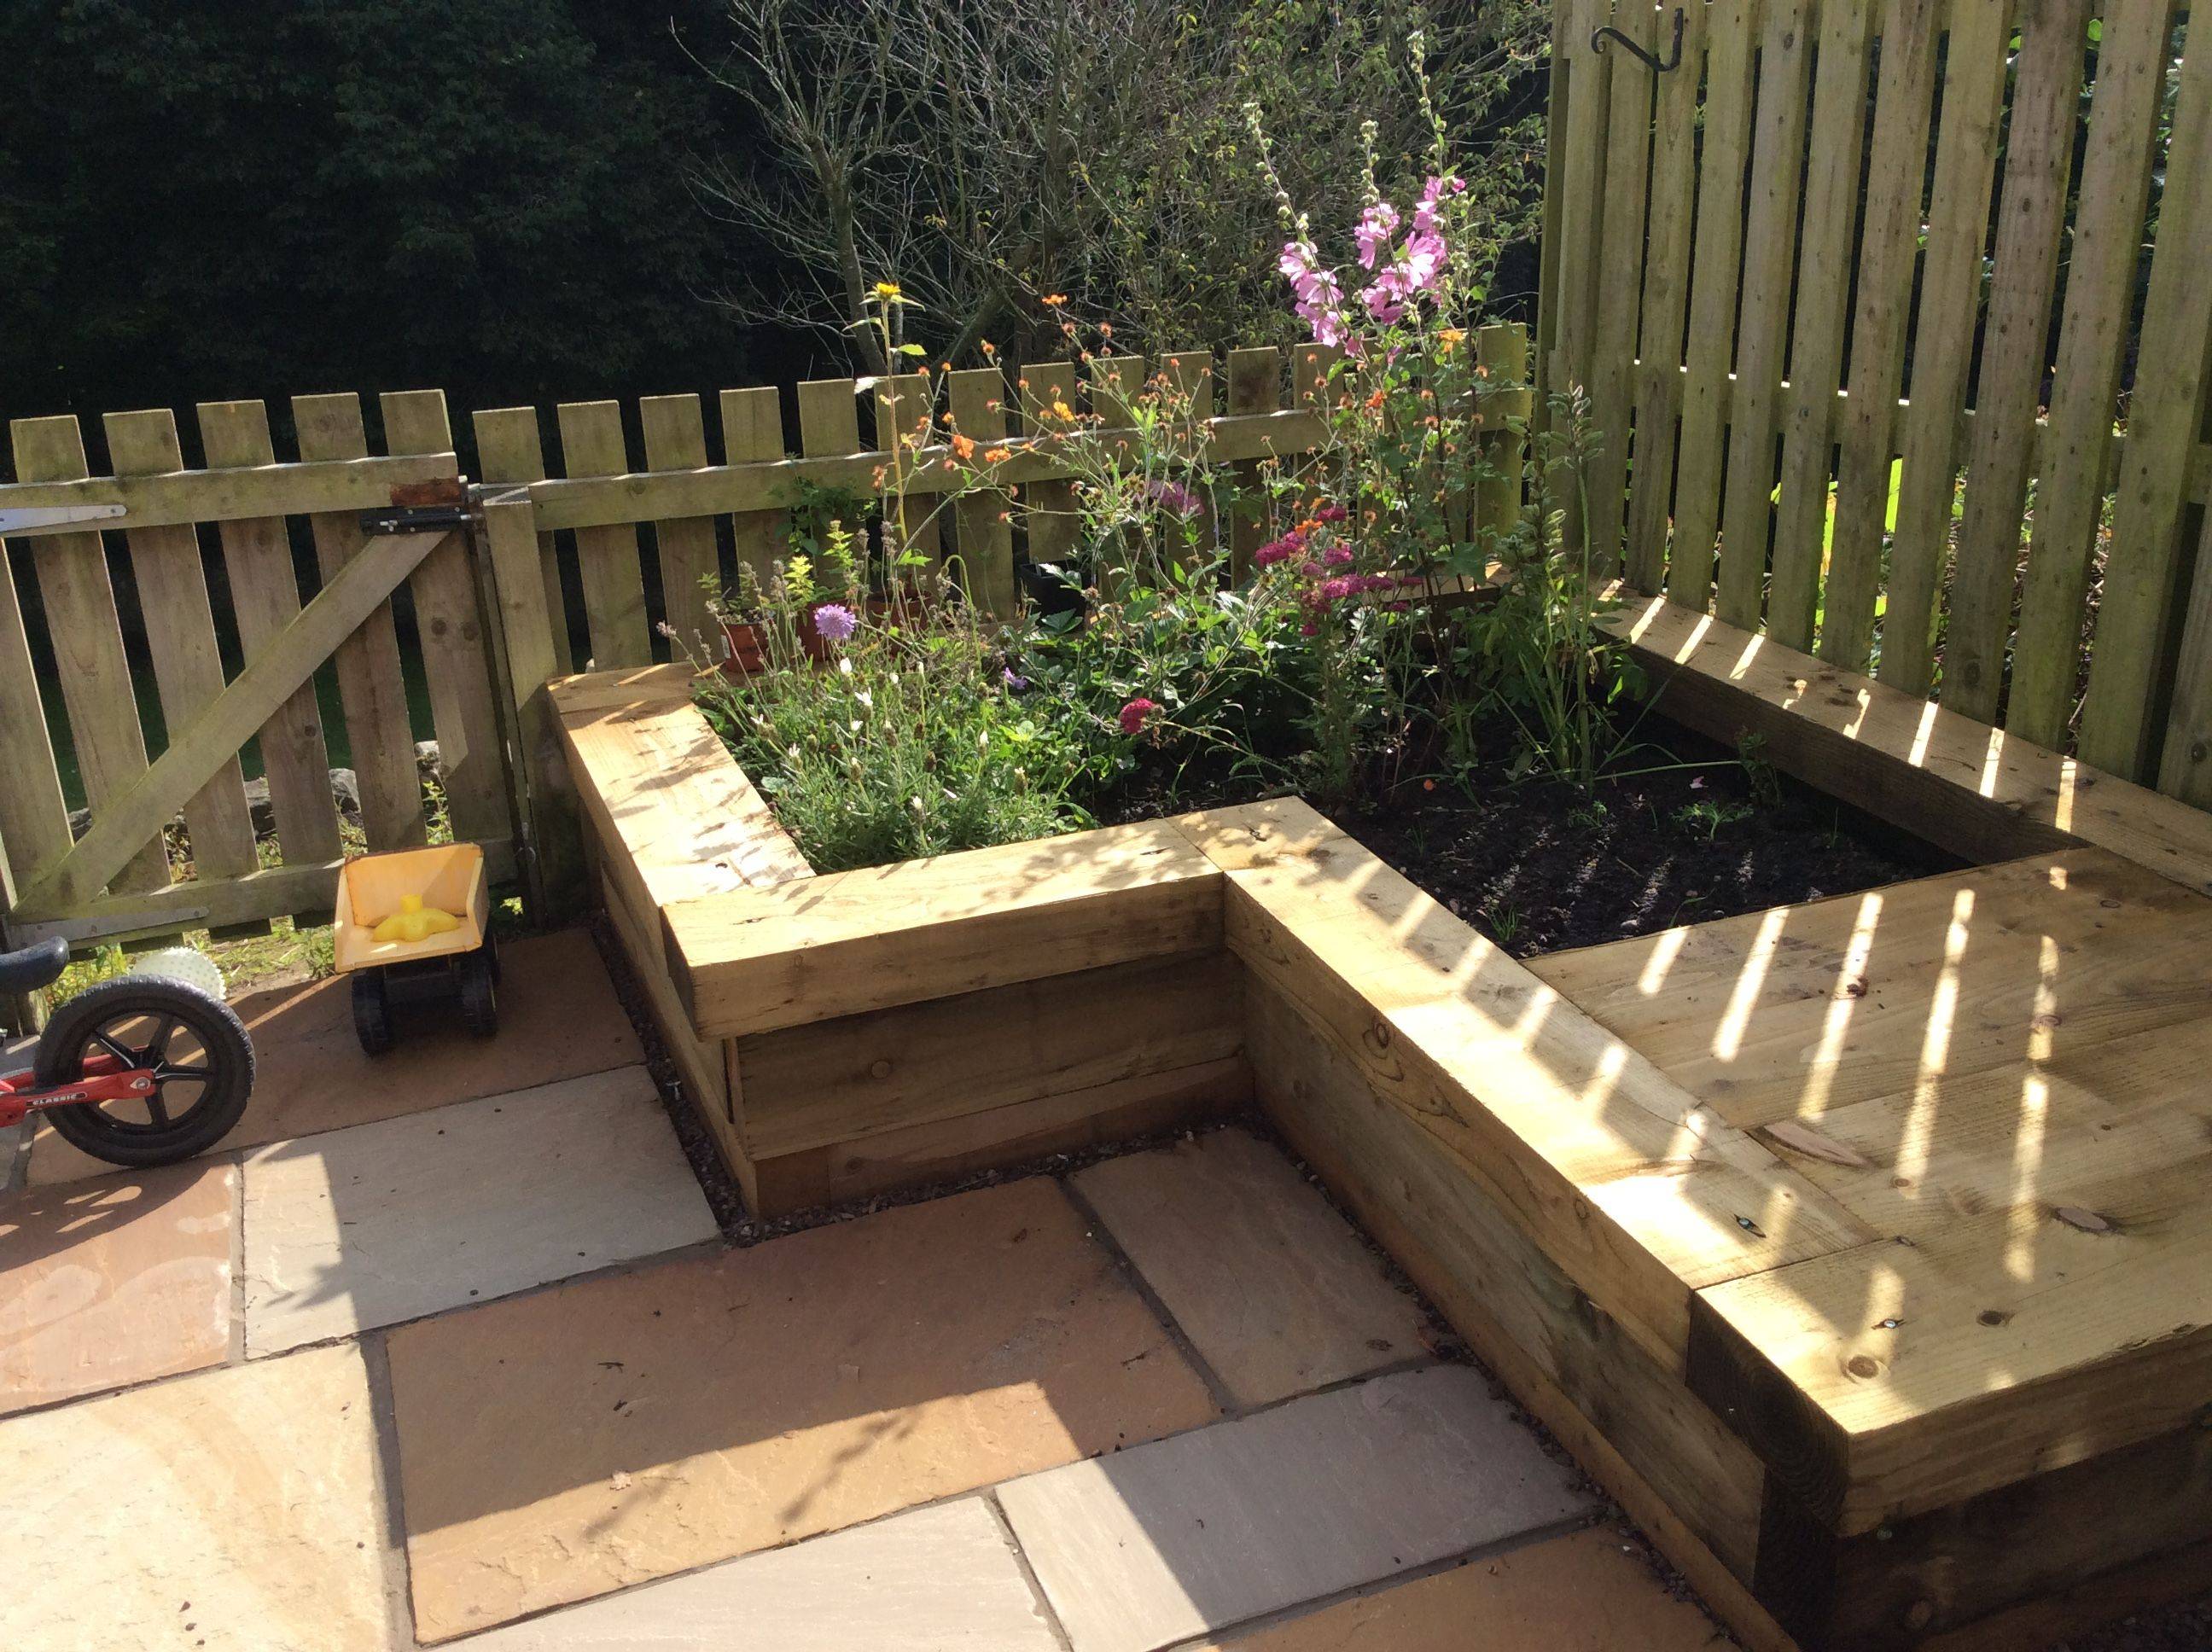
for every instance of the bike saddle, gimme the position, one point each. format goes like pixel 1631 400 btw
pixel 34 965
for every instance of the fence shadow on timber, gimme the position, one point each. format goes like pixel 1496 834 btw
pixel 1899 312
pixel 219 595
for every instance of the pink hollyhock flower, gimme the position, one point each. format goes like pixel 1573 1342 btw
pixel 1135 714
pixel 1432 194
pixel 1424 263
pixel 1296 258
pixel 1376 225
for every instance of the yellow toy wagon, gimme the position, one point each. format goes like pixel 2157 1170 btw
pixel 411 927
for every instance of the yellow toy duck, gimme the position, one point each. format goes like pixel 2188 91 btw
pixel 414 921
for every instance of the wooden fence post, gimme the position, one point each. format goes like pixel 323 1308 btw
pixel 553 863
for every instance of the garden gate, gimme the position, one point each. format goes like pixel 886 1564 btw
pixel 65 670
pixel 1895 315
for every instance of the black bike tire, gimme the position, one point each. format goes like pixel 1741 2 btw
pixel 228 1051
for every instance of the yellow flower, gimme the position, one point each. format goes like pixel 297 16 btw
pixel 888 290
pixel 1450 337
pixel 1061 410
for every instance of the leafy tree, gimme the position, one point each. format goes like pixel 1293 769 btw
pixel 273 196
pixel 987 156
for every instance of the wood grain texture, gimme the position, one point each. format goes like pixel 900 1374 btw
pixel 1611 1168
pixel 789 954
pixel 264 598
pixel 371 688
pixel 79 599
pixel 840 1081
pixel 180 625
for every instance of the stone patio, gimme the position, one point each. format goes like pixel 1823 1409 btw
pixel 1170 1400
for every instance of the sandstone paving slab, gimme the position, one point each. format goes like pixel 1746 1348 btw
pixel 1585 1591
pixel 614 1431
pixel 1189 1535
pixel 941 1579
pixel 111 1282
pixel 233 1509
pixel 386 1221
pixel 559 1018
pixel 1276 1292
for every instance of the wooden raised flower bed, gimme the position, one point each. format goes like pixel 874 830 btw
pixel 1863 1249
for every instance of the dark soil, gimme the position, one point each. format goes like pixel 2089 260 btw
pixel 1540 866
pixel 1688 832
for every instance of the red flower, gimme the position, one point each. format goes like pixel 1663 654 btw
pixel 1136 713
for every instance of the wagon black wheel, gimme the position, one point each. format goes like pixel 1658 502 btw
pixel 480 994
pixel 371 1012
pixel 491 951
pixel 197 1051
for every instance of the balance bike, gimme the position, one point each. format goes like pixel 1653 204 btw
pixel 137 1071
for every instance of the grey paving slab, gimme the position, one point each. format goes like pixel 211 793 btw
pixel 1186 1535
pixel 234 1510
pixel 1270 1285
pixel 943 1579
pixel 385 1222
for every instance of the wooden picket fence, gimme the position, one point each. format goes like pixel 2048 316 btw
pixel 1846 233
pixel 649 519
pixel 116 881
pixel 599 565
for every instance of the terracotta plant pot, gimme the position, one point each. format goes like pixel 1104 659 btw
pixel 745 645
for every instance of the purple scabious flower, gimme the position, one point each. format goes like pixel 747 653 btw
pixel 1014 680
pixel 834 622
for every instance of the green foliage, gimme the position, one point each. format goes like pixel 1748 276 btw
pixel 259 199
pixel 906 738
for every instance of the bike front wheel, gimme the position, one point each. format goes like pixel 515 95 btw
pixel 195 1046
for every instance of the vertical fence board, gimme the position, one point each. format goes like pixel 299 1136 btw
pixel 1050 516
pixel 509 449
pixel 1762 336
pixel 1665 307
pixel 1191 373
pixel 676 440
pixel 1889 250
pixel 2163 425
pixel 1255 386
pixel 1503 352
pixel 1612 347
pixel 1713 301
pixel 524 605
pixel 1582 199
pixel 87 643
pixel 34 829
pixel 752 433
pixel 1816 345
pixel 607 557
pixel 977 399
pixel 1943 339
pixel 2105 249
pixel 264 598
pixel 371 686
pixel 180 620
pixel 449 627
pixel 2038 166
pixel 904 411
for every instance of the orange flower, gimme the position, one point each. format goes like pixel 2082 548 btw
pixel 1105 329
pixel 964 448
pixel 1375 402
pixel 989 349
pixel 996 455
pixel 1061 410
pixel 1054 300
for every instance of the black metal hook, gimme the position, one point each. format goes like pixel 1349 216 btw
pixel 1673 58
